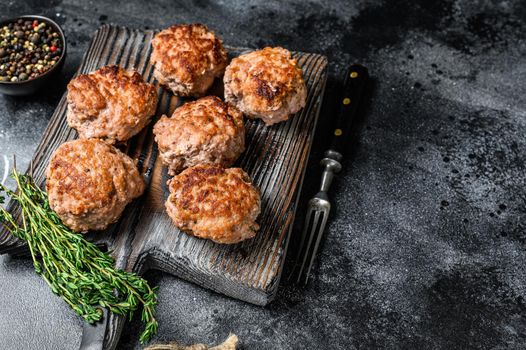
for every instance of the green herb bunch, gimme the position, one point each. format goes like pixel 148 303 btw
pixel 75 269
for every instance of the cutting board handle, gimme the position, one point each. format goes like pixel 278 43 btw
pixel 103 335
pixel 93 334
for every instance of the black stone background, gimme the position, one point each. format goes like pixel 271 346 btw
pixel 425 248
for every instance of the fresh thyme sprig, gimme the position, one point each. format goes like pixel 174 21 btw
pixel 75 269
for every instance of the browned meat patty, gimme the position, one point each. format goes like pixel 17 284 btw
pixel 110 103
pixel 188 58
pixel 206 131
pixel 214 203
pixel 90 182
pixel 265 84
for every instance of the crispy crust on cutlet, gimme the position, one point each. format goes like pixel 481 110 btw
pixel 265 84
pixel 187 58
pixel 90 182
pixel 110 103
pixel 205 131
pixel 214 203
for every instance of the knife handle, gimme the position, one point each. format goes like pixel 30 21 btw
pixel 353 92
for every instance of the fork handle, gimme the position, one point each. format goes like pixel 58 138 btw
pixel 332 165
pixel 353 92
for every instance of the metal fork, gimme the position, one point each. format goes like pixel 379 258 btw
pixel 319 206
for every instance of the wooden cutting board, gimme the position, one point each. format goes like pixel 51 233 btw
pixel 145 238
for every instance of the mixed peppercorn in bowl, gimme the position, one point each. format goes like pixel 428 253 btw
pixel 32 49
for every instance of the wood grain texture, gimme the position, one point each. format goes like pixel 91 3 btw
pixel 144 238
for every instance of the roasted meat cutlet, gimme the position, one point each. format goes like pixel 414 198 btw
pixel 265 84
pixel 214 203
pixel 187 59
pixel 111 103
pixel 205 131
pixel 89 183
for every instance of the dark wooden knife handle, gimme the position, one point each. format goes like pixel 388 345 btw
pixel 354 87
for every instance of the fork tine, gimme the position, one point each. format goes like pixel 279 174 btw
pixel 304 231
pixel 311 227
pixel 317 244
pixel 299 254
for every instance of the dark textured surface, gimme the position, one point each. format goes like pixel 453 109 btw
pixel 426 245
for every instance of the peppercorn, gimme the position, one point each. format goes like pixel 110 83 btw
pixel 35 38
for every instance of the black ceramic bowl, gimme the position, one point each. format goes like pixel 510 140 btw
pixel 27 87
